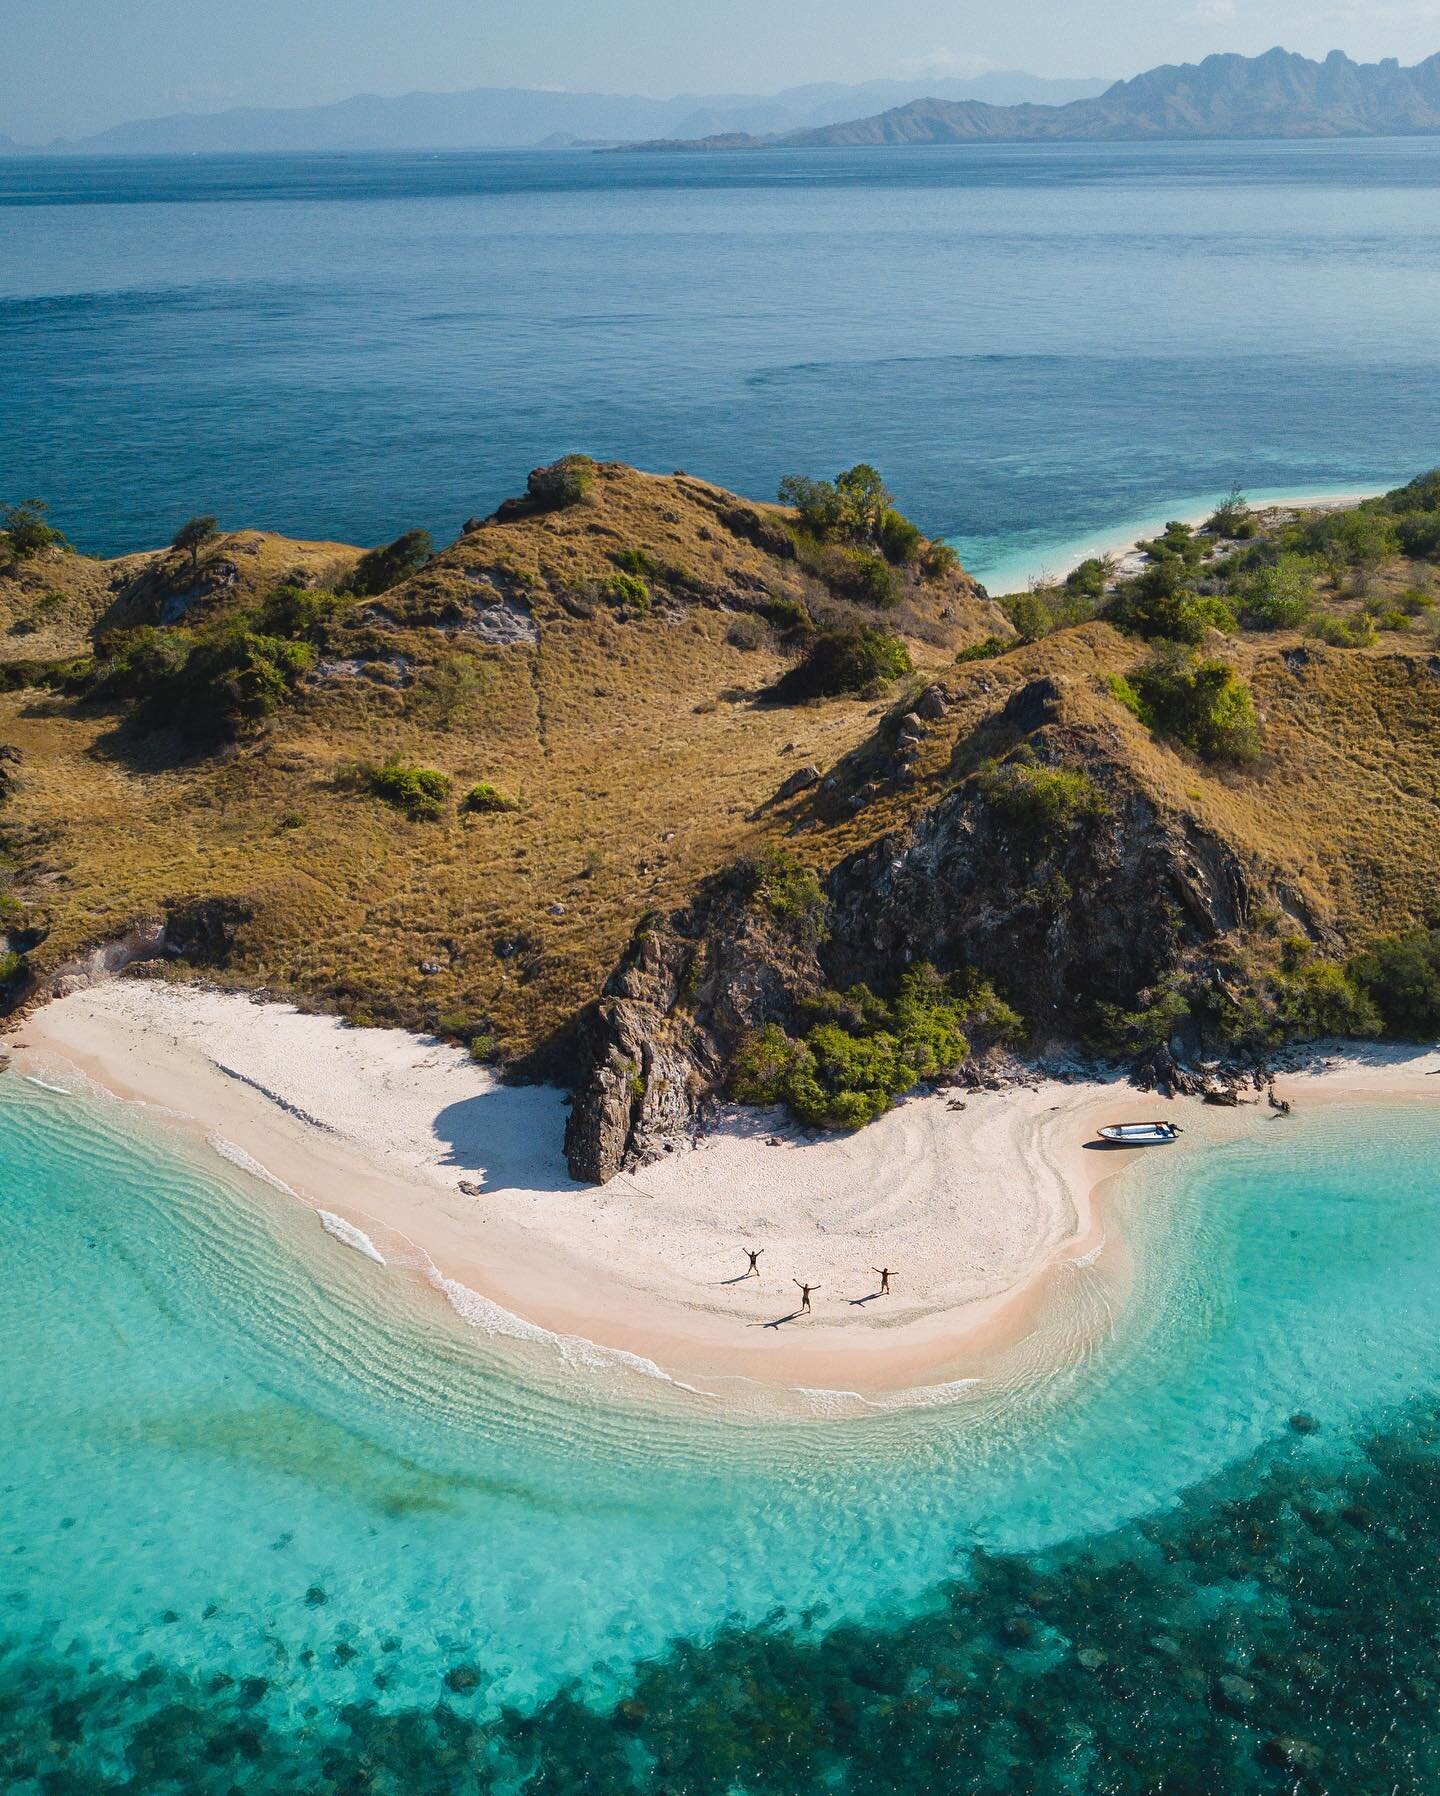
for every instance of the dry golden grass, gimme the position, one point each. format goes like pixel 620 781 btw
pixel 638 746
pixel 640 750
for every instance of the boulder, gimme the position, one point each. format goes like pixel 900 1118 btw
pixel 1287 1752
pixel 799 781
pixel 933 704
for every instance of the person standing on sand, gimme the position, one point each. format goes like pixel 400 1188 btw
pixel 754 1253
pixel 805 1291
pixel 884 1272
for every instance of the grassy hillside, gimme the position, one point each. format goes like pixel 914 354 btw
pixel 603 663
pixel 449 789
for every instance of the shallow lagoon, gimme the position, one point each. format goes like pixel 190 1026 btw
pixel 274 1520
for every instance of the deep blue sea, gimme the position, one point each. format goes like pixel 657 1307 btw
pixel 1034 343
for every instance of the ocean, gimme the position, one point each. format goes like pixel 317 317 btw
pixel 271 1522
pixel 1034 343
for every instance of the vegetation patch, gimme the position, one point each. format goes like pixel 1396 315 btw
pixel 420 792
pixel 379 569
pixel 1034 796
pixel 787 890
pixel 483 798
pixel 1203 704
pixel 27 530
pixel 858 1052
pixel 857 661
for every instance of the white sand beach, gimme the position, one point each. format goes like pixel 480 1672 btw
pixel 1120 542
pixel 408 1150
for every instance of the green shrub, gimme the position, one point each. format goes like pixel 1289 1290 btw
pixel 1029 613
pixel 205 682
pixel 851 507
pixel 1162 1008
pixel 483 1047
pixel 1204 704
pixel 379 569
pixel 1356 632
pixel 418 791
pixel 1177 542
pixel 1318 997
pixel 1419 534
pixel 303 613
pixel 627 589
pixel 845 661
pixel 986 650
pixel 1231 518
pixel 788 890
pixel 1035 796
pixel 637 562
pixel 899 539
pixel 859 1052
pixel 1280 596
pixel 563 482
pixel 26 531
pixel 1090 579
pixel 484 797
pixel 869 578
pixel 1400 975
pixel 1160 603
pixel 13 968
pixel 938 558
pixel 789 616
pixel 1359 538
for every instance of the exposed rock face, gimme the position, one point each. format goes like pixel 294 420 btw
pixel 1062 912
pixel 10 758
pixel 1060 915
pixel 650 1052
pixel 799 781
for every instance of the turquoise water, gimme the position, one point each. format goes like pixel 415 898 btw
pixel 1032 342
pixel 272 1518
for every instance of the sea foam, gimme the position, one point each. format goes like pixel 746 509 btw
pixel 350 1235
pixel 574 1350
pixel 237 1156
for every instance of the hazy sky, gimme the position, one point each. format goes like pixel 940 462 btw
pixel 69 66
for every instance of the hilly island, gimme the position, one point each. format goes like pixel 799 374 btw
pixel 1279 94
pixel 667 795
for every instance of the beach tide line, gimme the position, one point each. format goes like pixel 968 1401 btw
pixel 350 1235
pixel 237 1156
pixel 574 1350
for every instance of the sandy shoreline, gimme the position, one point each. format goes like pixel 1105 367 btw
pixel 977 1208
pixel 1044 567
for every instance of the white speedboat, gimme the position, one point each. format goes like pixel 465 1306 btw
pixel 1150 1134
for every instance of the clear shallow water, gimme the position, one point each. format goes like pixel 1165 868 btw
pixel 239 1450
pixel 1034 343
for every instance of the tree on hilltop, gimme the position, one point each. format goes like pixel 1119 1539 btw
pixel 193 536
pixel 27 530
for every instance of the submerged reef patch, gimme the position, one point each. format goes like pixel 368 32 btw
pixel 1276 1630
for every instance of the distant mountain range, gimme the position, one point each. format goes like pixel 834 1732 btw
pixel 1278 94
pixel 523 118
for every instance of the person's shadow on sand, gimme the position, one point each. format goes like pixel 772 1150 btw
pixel 857 1303
pixel 777 1321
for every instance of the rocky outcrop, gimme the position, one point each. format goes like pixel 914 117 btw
pixel 649 1054
pixel 1061 914
pixel 10 759
pixel 1065 910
